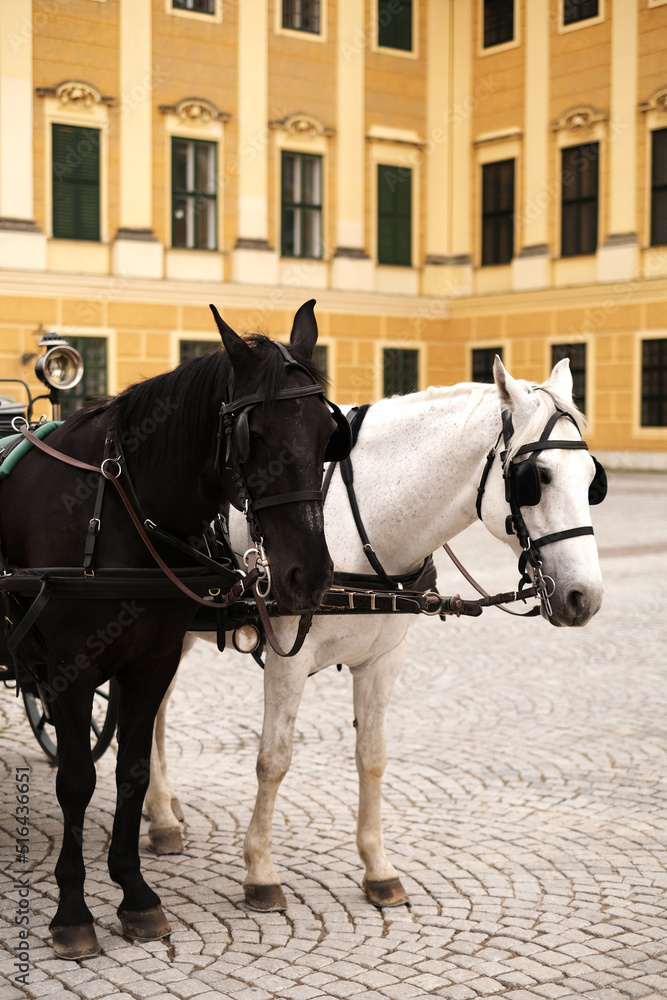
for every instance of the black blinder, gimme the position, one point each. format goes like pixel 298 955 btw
pixel 597 491
pixel 526 483
pixel 340 442
pixel 241 438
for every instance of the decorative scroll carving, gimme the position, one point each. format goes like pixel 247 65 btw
pixel 301 124
pixel 656 102
pixel 195 111
pixel 76 93
pixel 579 119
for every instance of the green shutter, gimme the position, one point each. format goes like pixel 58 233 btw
pixel 395 24
pixel 401 371
pixel 394 187
pixel 76 182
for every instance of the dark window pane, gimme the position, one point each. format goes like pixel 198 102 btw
pixel 93 351
pixel 579 209
pixel 196 348
pixel 394 194
pixel 395 24
pixel 194 194
pixel 321 357
pixel 577 355
pixel 482 363
pixel 302 15
pixel 498 212
pixel 659 187
pixel 76 182
pixel 301 209
pixel 654 383
pixel 200 6
pixel 401 371
pixel 579 10
pixel 498 22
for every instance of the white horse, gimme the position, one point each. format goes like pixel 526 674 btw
pixel 417 465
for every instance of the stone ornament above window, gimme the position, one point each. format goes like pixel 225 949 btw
pixel 656 102
pixel 579 119
pixel 195 111
pixel 76 94
pixel 301 124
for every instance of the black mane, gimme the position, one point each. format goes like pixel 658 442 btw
pixel 166 414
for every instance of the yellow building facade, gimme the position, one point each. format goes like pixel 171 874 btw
pixel 446 177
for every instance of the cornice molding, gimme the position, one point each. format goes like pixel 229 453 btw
pixel 195 111
pixel 579 119
pixel 76 93
pixel 656 102
pixel 301 124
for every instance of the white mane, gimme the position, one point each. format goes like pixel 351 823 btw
pixel 478 392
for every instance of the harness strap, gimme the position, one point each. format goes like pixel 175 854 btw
pixel 280 498
pixel 30 617
pixel 236 591
pixel 494 601
pixel 558 536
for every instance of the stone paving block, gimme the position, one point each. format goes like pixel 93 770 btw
pixel 457 992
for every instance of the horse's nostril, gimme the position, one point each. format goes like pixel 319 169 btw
pixel 575 601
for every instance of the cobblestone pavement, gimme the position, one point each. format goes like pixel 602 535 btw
pixel 525 805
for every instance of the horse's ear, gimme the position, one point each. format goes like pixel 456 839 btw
pixel 560 380
pixel 240 354
pixel 304 331
pixel 508 387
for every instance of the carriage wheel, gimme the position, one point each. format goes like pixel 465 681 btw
pixel 102 720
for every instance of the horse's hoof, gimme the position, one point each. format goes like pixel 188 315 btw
pixel 388 892
pixel 145 925
pixel 74 942
pixel 166 840
pixel 177 809
pixel 267 898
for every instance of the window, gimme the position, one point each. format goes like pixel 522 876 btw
pixel 498 22
pixel 579 210
pixel 577 355
pixel 395 24
pixel 579 10
pixel 301 228
pixel 482 363
pixel 188 349
pixel 302 15
pixel 654 383
pixel 498 212
pixel 394 215
pixel 401 371
pixel 93 351
pixel 76 182
pixel 321 357
pixel 659 187
pixel 198 6
pixel 193 195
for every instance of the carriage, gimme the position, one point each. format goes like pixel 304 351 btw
pixel 229 415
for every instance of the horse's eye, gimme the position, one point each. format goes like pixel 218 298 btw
pixel 545 475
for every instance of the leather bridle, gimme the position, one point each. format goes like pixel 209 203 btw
pixel 523 489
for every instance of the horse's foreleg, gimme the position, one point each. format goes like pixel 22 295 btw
pixel 283 686
pixel 164 831
pixel 141 690
pixel 72 927
pixel 373 684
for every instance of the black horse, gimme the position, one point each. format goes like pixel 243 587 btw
pixel 186 447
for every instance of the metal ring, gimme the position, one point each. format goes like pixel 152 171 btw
pixel 109 475
pixel 24 424
pixel 551 592
pixel 214 591
pixel 438 609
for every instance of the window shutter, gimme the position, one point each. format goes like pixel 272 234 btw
pixel 76 182
pixel 395 24
pixel 394 193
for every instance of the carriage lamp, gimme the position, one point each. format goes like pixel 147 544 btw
pixel 60 367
